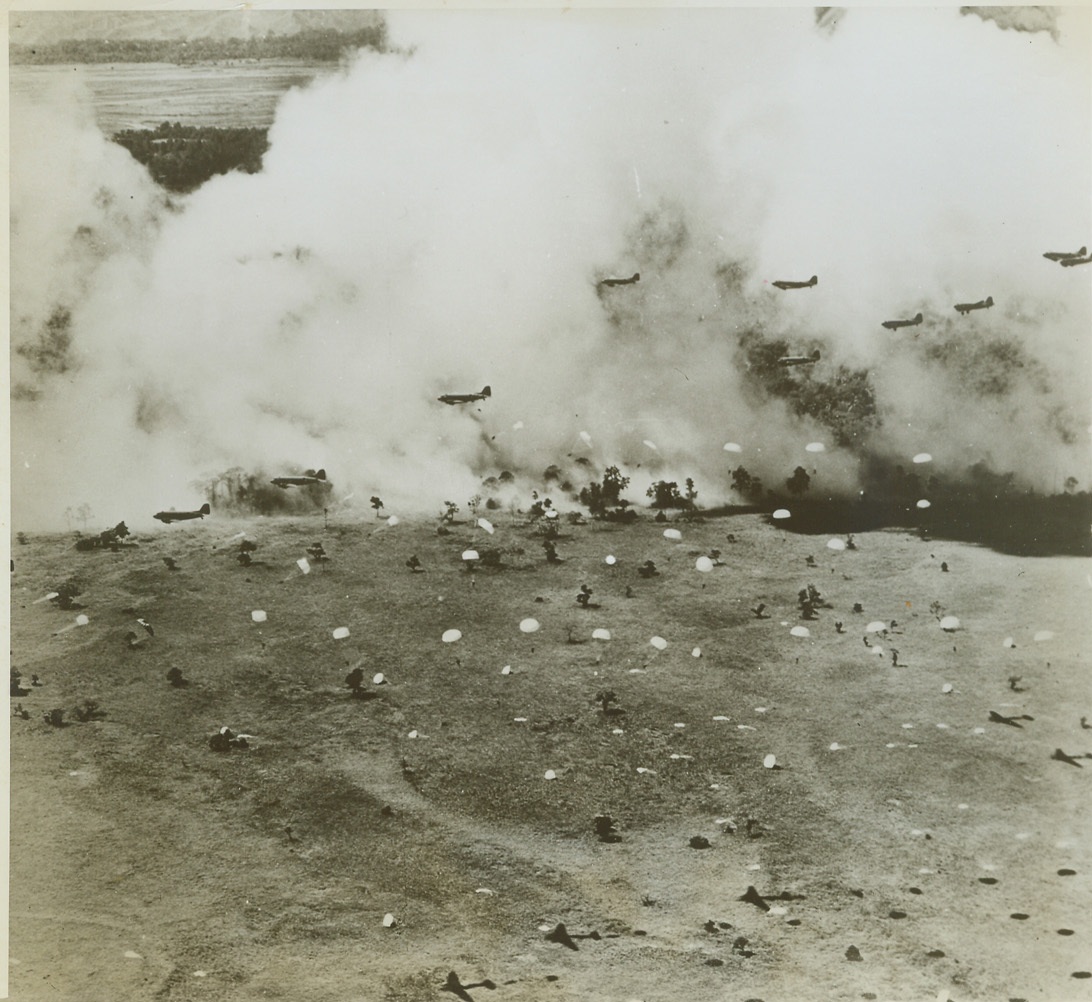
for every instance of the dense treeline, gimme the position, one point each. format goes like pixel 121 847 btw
pixel 314 45
pixel 183 157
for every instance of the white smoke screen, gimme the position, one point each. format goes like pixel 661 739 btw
pixel 436 219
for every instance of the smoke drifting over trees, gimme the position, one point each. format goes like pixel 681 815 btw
pixel 438 216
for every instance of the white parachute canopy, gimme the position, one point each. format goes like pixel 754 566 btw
pixel 876 626
pixel 303 565
pixel 485 524
pixel 651 445
pixel 450 636
pixel 924 504
pixel 470 555
pixel 672 534
pixel 393 520
pixel 769 761
pixel 549 774
pixel 659 643
pixel 782 513
pixel 379 679
pixel 923 457
pixel 610 559
pixel 800 631
pixel 815 447
pixel 600 634
pixel 341 633
pixel 835 544
pixel 82 620
pixel 949 623
pixel 704 564
pixel 732 447
pixel 1040 635
pixel 258 615
pixel 586 437
pixel 529 625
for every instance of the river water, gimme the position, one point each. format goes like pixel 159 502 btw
pixel 142 95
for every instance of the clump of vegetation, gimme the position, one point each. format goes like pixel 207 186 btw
pixel 665 494
pixel 355 680
pixel 605 829
pixel 108 539
pixel 54 717
pixel 746 485
pixel 174 677
pixel 604 499
pixel 799 482
pixel 377 503
pixel 51 352
pixel 16 683
pixel 810 600
pixel 66 595
pixel 604 697
pixel 584 598
pixel 181 158
pixel 447 516
pixel 87 709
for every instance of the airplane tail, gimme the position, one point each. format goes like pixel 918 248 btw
pixel 918 319
pixel 320 474
pixel 989 300
pixel 486 391
pixel 206 509
pixel 815 354
pixel 814 280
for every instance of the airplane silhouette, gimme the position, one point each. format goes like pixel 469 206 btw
pixel 894 325
pixel 982 304
pixel 465 398
pixel 609 282
pixel 1062 255
pixel 456 987
pixel 814 280
pixel 998 718
pixel 1069 262
pixel 800 359
pixel 309 477
pixel 1061 756
pixel 181 516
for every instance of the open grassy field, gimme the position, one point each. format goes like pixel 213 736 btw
pixel 904 845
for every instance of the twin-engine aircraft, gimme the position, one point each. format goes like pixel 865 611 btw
pixel 309 477
pixel 814 280
pixel 166 517
pixel 610 282
pixel 982 304
pixel 1062 256
pixel 465 398
pixel 800 359
pixel 894 325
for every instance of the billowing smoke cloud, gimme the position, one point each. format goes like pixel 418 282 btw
pixel 439 219
pixel 1019 18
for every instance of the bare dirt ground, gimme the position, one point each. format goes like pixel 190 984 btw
pixel 906 846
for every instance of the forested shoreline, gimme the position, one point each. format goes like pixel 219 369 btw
pixel 313 45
